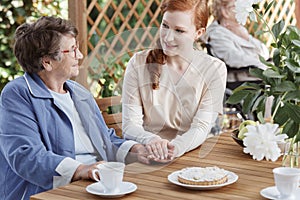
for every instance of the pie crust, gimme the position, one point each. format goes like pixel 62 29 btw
pixel 202 176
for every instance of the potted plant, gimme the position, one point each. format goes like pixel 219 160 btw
pixel 280 82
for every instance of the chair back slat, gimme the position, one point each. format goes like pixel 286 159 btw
pixel 112 120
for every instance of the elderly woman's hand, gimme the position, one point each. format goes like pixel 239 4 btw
pixel 160 150
pixel 85 171
pixel 138 152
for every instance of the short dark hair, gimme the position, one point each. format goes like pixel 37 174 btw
pixel 39 39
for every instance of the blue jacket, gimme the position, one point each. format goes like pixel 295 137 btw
pixel 36 135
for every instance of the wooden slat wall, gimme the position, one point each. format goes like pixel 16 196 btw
pixel 113 41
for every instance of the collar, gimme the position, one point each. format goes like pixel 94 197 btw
pixel 38 88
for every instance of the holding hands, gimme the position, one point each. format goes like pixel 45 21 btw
pixel 160 150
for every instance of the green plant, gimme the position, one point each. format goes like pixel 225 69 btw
pixel 12 14
pixel 109 73
pixel 280 80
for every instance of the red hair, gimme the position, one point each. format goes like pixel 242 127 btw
pixel 156 57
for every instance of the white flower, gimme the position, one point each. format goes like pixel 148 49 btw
pixel 243 9
pixel 262 141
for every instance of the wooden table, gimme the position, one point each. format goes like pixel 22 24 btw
pixel 152 182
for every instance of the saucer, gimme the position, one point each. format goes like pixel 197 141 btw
pixel 98 189
pixel 272 193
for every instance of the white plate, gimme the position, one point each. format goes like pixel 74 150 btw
pixel 272 193
pixel 98 189
pixel 173 178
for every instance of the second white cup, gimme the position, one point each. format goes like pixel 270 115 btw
pixel 286 180
pixel 111 175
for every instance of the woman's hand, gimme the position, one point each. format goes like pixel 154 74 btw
pixel 138 152
pixel 160 150
pixel 85 171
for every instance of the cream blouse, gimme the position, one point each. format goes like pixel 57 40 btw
pixel 181 112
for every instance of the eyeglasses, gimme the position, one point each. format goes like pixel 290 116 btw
pixel 73 51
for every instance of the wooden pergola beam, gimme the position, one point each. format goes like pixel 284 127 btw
pixel 77 14
pixel 297 11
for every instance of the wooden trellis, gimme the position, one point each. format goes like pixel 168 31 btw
pixel 131 34
pixel 100 38
pixel 118 34
pixel 281 10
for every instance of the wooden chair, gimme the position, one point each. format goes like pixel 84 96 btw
pixel 107 105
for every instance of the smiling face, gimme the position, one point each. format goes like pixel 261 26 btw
pixel 178 33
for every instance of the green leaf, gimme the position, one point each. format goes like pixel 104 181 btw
pixel 272 74
pixel 249 101
pixel 290 128
pixel 296 42
pixel 257 72
pixel 293 65
pixel 277 28
pixel 294 95
pixel 237 97
pixel 263 60
pixel 293 112
pixel 297 139
pixel 276 57
pixel 268 7
pixel 261 105
pixel 248 86
pixel 293 28
pixel 274 45
pixel 258 102
pixel 261 118
pixel 292 34
pixel 285 86
pixel 281 116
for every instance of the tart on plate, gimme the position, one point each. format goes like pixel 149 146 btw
pixel 202 176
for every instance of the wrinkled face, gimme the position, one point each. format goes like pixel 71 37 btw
pixel 67 67
pixel 231 10
pixel 178 33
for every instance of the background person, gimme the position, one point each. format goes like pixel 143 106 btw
pixel 173 93
pixel 51 129
pixel 231 42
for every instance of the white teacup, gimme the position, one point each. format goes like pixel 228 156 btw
pixel 286 180
pixel 111 176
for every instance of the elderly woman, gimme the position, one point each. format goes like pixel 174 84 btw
pixel 231 41
pixel 51 130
